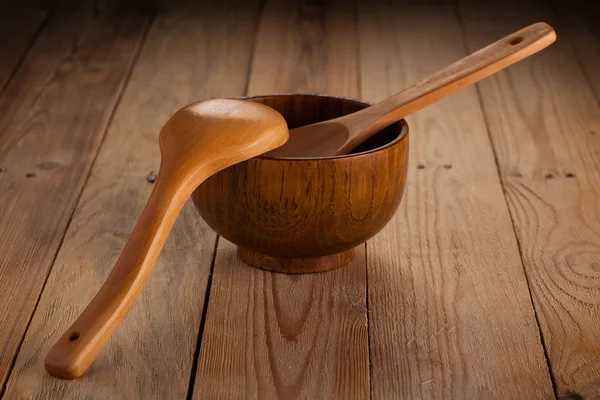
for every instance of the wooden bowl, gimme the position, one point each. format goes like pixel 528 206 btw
pixel 300 215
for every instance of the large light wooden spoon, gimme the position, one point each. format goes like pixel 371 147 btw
pixel 198 141
pixel 341 135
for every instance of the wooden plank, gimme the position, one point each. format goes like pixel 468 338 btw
pixel 282 336
pixel 306 47
pixel 20 22
pixel 194 50
pixel 578 24
pixel 450 315
pixel 53 115
pixel 543 120
pixel 271 335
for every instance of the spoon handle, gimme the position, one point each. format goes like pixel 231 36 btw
pixel 449 80
pixel 78 347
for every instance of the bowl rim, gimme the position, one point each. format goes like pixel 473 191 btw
pixel 401 137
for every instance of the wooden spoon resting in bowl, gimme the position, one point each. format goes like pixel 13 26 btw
pixel 198 141
pixel 341 135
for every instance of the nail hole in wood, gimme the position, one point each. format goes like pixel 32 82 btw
pixel 30 175
pixel 516 40
pixel 420 166
pixel 151 178
pixel 447 166
pixel 570 175
pixel 74 336
pixel 592 133
pixel 2 169
pixel 550 176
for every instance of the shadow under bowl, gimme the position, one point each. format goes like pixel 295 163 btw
pixel 301 215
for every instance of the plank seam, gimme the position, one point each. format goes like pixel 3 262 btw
pixel 359 93
pixel 510 213
pixel 28 48
pixel 368 324
pixel 196 359
pixel 132 64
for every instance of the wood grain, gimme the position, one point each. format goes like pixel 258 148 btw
pixel 543 119
pixel 450 315
pixel 295 213
pixel 296 265
pixel 151 355
pixel 271 335
pixel 53 115
pixel 305 46
pixel 578 24
pixel 19 24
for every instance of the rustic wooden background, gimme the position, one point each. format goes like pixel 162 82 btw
pixel 485 285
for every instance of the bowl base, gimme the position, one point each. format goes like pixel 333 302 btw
pixel 304 265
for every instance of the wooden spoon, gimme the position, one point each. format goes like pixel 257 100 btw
pixel 198 141
pixel 341 135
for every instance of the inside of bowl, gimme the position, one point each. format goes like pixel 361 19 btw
pixel 304 109
pixel 381 138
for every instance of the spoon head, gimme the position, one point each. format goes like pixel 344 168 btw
pixel 211 135
pixel 322 139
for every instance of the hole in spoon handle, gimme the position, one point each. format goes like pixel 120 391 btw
pixel 516 40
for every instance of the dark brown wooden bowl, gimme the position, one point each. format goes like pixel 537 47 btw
pixel 301 215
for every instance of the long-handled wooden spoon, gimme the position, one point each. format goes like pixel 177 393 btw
pixel 198 141
pixel 341 135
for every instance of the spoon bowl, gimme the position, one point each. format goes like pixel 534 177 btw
pixel 196 142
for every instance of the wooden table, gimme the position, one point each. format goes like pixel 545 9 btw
pixel 486 284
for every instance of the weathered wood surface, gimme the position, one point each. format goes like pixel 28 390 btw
pixel 152 353
pixel 544 123
pixel 450 315
pixel 281 336
pixel 53 115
